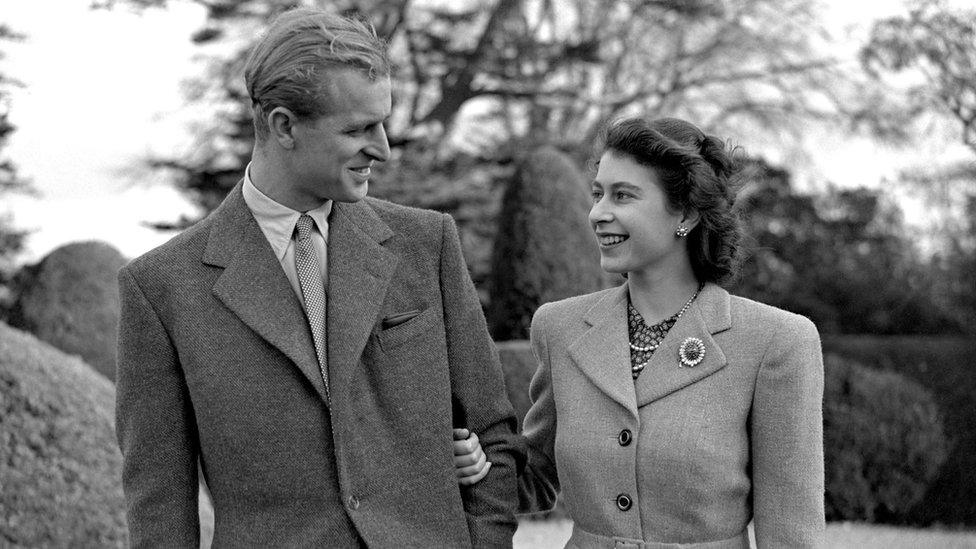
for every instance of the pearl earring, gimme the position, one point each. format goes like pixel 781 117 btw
pixel 682 231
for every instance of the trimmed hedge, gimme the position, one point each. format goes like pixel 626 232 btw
pixel 946 366
pixel 884 442
pixel 59 462
pixel 71 300
pixel 544 249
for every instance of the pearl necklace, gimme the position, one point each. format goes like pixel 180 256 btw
pixel 655 334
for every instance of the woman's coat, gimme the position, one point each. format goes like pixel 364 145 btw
pixel 685 455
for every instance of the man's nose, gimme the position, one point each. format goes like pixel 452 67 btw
pixel 378 147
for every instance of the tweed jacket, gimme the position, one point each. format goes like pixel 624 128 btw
pixel 217 363
pixel 686 455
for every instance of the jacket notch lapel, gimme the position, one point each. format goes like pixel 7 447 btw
pixel 602 352
pixel 254 287
pixel 664 373
pixel 360 271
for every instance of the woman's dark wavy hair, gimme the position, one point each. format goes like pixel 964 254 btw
pixel 698 172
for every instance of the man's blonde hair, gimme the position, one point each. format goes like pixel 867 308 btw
pixel 287 68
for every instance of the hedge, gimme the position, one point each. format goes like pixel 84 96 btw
pixel 544 249
pixel 59 462
pixel 946 366
pixel 70 299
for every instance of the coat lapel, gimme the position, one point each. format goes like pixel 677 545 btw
pixel 602 352
pixel 254 287
pixel 709 314
pixel 360 270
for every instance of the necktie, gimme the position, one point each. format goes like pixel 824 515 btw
pixel 313 291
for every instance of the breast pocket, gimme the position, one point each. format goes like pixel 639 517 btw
pixel 403 332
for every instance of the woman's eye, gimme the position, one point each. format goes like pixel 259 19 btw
pixel 622 195
pixel 596 195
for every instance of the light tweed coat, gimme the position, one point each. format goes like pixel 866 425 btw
pixel 216 361
pixel 737 438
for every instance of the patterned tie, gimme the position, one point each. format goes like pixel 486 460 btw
pixel 313 291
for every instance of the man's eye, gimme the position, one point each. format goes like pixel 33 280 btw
pixel 596 195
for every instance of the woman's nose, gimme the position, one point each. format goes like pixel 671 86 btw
pixel 599 213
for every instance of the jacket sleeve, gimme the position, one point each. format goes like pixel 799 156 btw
pixel 479 400
pixel 155 428
pixel 787 440
pixel 539 483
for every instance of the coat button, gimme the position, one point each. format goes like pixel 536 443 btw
pixel 624 502
pixel 625 437
pixel 352 503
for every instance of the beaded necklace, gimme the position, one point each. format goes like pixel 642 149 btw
pixel 644 339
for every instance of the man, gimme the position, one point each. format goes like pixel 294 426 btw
pixel 310 348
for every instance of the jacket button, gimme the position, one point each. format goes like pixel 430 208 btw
pixel 624 502
pixel 352 503
pixel 625 437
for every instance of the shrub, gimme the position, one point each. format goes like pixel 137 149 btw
pixel 70 300
pixel 544 249
pixel 943 365
pixel 884 442
pixel 59 463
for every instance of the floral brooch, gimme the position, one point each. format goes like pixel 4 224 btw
pixel 691 352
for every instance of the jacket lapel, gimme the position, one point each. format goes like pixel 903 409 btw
pixel 602 352
pixel 709 314
pixel 254 287
pixel 360 270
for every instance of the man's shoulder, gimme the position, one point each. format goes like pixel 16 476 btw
pixel 186 246
pixel 409 223
pixel 391 211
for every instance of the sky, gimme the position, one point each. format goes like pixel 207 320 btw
pixel 103 91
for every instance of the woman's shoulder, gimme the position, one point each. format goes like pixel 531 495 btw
pixel 768 319
pixel 575 305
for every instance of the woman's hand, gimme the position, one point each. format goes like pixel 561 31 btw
pixel 470 462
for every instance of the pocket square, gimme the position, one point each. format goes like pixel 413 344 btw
pixel 395 320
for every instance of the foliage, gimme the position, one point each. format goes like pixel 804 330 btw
pixel 539 70
pixel 944 366
pixel 939 45
pixel 544 249
pixel 11 239
pixel 884 442
pixel 930 55
pixel 70 299
pixel 60 465
pixel 841 258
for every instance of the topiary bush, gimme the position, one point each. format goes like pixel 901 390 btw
pixel 70 299
pixel 884 442
pixel 60 482
pixel 544 249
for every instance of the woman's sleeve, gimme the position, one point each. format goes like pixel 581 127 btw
pixel 787 440
pixel 538 484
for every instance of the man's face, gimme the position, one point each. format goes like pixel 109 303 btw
pixel 333 154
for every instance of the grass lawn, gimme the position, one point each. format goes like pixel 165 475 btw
pixel 545 534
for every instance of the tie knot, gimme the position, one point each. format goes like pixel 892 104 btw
pixel 304 227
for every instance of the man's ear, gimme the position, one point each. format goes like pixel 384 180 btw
pixel 281 122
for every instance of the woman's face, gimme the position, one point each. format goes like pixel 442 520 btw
pixel 634 226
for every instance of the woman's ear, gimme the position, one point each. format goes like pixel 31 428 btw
pixel 690 219
pixel 281 122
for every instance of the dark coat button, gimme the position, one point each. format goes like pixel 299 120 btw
pixel 624 502
pixel 625 437
pixel 352 503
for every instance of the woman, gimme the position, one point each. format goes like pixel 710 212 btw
pixel 665 410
